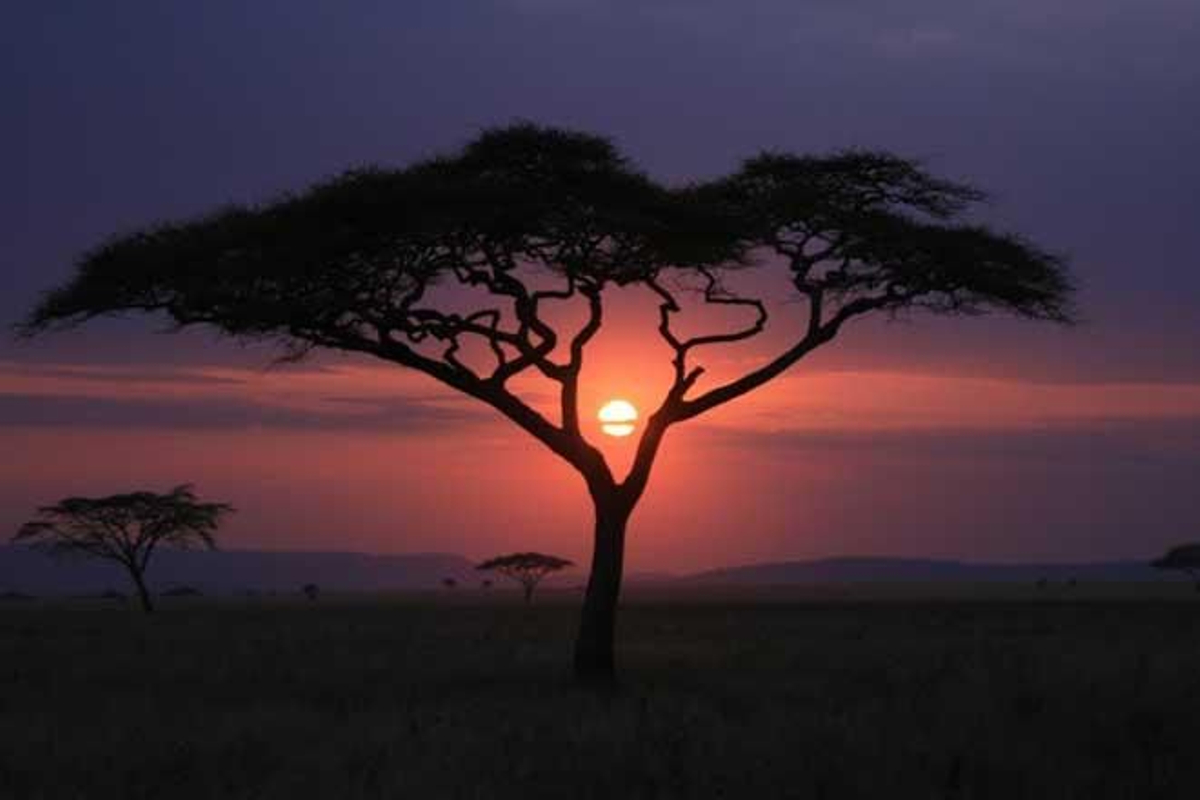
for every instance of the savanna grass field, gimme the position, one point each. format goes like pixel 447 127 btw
pixel 826 692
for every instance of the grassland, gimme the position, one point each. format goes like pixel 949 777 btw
pixel 983 693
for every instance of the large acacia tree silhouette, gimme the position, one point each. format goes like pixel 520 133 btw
pixel 452 265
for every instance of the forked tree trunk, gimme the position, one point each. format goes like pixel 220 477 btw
pixel 143 592
pixel 597 626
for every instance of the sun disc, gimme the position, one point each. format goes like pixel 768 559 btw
pixel 617 417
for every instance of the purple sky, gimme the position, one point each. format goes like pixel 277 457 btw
pixel 1079 116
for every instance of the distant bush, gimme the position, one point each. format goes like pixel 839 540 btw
pixel 1185 558
pixel 311 591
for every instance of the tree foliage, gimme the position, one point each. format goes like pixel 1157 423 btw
pixel 125 528
pixel 527 569
pixel 361 262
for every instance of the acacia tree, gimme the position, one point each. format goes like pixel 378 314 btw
pixel 125 528
pixel 454 266
pixel 527 569
pixel 1185 558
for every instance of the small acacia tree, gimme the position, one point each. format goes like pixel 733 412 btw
pixel 452 265
pixel 125 528
pixel 527 569
pixel 1185 558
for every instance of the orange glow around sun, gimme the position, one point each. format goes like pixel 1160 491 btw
pixel 617 417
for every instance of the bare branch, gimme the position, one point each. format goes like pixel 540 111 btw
pixel 714 294
pixel 819 333
pixel 569 395
pixel 569 447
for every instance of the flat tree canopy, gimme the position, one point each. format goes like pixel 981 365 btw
pixel 527 569
pixel 125 528
pixel 449 266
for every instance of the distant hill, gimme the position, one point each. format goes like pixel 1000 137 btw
pixel 867 569
pixel 25 572
pixel 232 571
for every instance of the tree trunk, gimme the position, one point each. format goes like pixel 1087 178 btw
pixel 528 587
pixel 143 592
pixel 597 625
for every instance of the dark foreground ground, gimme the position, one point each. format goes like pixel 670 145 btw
pixel 827 695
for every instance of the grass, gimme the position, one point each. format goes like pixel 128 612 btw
pixel 737 694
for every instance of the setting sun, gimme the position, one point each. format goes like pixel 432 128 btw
pixel 617 417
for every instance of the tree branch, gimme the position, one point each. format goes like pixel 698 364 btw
pixel 569 395
pixel 569 447
pixel 715 294
pixel 819 333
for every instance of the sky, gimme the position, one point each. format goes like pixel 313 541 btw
pixel 979 438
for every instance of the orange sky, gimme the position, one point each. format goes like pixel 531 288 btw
pixel 351 455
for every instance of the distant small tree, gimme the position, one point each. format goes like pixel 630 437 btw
pixel 125 528
pixel 1185 558
pixel 486 583
pixel 527 569
pixel 449 583
pixel 311 591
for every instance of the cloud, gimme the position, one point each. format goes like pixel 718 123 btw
pixel 119 374
pixel 394 415
pixel 1173 443
pixel 995 31
pixel 353 396
pixel 328 397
